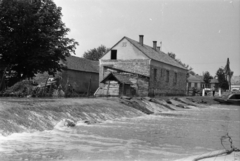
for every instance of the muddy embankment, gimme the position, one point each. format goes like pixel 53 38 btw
pixel 28 115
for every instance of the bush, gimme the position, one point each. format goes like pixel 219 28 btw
pixel 22 88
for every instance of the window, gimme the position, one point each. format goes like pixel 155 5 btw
pixel 167 75
pixel 175 78
pixel 124 44
pixel 155 74
pixel 113 54
pixel 161 72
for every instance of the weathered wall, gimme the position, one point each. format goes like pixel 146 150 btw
pixel 125 51
pixel 139 66
pixel 80 80
pixel 139 87
pixel 111 88
pixel 160 86
pixel 140 84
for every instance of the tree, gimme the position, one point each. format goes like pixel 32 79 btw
pixel 228 73
pixel 190 69
pixel 222 81
pixel 96 53
pixel 33 38
pixel 207 78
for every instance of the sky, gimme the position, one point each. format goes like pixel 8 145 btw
pixel 202 33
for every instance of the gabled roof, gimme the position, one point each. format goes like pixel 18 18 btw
pixel 81 64
pixel 124 79
pixel 155 55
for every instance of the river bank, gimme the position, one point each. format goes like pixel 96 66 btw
pixel 114 129
pixel 32 114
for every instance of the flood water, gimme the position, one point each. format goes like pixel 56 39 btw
pixel 165 137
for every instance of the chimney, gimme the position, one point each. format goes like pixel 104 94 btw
pixel 155 45
pixel 141 39
pixel 159 47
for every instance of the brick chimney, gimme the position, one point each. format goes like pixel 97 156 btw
pixel 141 39
pixel 155 45
pixel 158 48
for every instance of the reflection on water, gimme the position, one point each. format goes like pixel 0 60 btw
pixel 167 136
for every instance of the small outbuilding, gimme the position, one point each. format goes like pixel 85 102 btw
pixel 79 73
pixel 116 84
pixel 82 74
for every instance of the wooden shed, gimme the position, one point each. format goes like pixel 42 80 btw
pixel 116 84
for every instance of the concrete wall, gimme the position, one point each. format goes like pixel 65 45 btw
pixel 80 80
pixel 125 51
pixel 160 86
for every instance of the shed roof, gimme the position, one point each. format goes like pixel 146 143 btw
pixel 155 55
pixel 82 64
pixel 124 79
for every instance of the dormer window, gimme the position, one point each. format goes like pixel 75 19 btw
pixel 113 54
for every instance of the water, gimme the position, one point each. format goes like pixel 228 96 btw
pixel 165 137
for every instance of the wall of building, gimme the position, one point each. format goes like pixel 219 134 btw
pixel 191 85
pixel 140 84
pixel 160 86
pixel 80 80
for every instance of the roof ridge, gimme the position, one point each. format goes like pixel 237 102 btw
pixel 82 58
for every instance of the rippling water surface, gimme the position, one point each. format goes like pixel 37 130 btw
pixel 168 136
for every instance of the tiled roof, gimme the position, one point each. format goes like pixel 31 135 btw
pixel 82 64
pixel 119 77
pixel 155 55
pixel 195 78
pixel 122 78
pixel 199 78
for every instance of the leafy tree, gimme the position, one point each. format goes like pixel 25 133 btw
pixel 190 69
pixel 222 81
pixel 33 38
pixel 96 53
pixel 207 78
